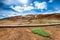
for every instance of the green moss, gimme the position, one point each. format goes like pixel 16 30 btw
pixel 40 32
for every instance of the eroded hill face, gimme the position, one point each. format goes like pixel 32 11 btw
pixel 39 16
pixel 31 19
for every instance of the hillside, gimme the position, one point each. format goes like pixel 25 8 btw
pixel 39 16
pixel 31 19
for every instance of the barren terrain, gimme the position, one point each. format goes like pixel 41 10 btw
pixel 24 33
pixel 31 19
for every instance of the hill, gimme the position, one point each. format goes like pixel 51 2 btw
pixel 31 19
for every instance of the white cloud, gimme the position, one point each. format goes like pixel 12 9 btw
pixel 7 13
pixel 14 2
pixel 28 8
pixel 51 12
pixel 23 1
pixel 58 11
pixel 8 2
pixel 41 6
pixel 50 1
pixel 31 4
pixel 23 8
pixel 17 8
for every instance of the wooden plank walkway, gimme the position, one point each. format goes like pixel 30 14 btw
pixel 27 25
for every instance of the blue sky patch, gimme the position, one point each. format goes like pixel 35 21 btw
pixel 22 7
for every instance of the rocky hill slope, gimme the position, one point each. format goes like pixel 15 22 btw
pixel 31 19
pixel 40 16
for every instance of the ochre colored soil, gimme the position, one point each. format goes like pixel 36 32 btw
pixel 26 34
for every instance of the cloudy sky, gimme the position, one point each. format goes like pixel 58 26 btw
pixel 10 8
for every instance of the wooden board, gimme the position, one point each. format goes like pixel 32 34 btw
pixel 29 25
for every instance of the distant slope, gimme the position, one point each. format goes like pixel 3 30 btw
pixel 49 16
pixel 31 17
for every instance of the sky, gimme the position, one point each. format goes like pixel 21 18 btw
pixel 10 8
